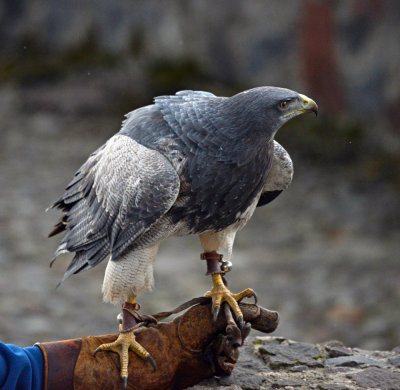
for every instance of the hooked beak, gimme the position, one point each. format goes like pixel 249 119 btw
pixel 308 105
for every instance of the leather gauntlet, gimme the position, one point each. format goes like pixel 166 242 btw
pixel 187 350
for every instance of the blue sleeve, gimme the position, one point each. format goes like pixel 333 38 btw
pixel 21 368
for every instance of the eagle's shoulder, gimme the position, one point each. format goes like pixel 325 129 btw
pixel 279 177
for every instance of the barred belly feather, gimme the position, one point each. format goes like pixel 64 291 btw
pixel 131 275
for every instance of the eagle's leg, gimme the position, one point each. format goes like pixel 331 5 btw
pixel 220 293
pixel 126 340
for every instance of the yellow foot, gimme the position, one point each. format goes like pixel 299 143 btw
pixel 219 294
pixel 126 341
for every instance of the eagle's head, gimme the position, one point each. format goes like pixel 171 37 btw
pixel 271 107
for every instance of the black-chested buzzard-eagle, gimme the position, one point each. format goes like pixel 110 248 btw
pixel 191 163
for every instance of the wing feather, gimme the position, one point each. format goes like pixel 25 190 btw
pixel 118 194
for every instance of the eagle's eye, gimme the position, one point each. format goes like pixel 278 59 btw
pixel 283 104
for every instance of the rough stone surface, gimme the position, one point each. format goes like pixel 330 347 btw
pixel 248 373
pixel 333 387
pixel 377 378
pixel 290 354
pixel 324 254
pixel 274 363
pixel 336 349
pixel 353 361
pixel 395 361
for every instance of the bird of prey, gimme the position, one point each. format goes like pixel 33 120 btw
pixel 190 163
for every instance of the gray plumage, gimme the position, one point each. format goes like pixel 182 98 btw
pixel 191 163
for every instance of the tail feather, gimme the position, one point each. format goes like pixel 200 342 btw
pixel 77 263
pixel 60 250
pixel 79 204
pixel 83 259
pixel 60 226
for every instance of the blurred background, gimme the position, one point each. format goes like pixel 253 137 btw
pixel 325 254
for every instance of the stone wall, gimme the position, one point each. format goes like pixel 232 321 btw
pixel 346 53
pixel 326 251
pixel 277 363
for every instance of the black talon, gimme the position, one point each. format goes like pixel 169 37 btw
pixel 152 362
pixel 240 322
pixel 125 381
pixel 98 349
pixel 215 313
pixel 255 297
pixel 245 331
pixel 228 313
pixel 253 294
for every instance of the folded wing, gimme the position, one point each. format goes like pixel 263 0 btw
pixel 117 195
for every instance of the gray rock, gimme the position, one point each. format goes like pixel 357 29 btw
pixel 277 362
pixel 299 368
pixel 335 370
pixel 201 387
pixel 279 368
pixel 247 373
pixel 331 386
pixel 288 383
pixel 354 361
pixel 334 352
pixel 377 378
pixel 315 363
pixel 289 353
pixel 395 361
pixel 245 378
pixel 306 349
